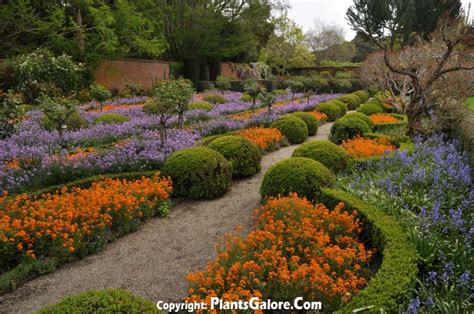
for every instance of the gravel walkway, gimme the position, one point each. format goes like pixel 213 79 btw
pixel 153 262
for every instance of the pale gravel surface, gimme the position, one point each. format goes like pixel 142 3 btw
pixel 153 261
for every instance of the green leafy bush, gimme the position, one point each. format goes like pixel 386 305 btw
pixel 101 301
pixel 347 128
pixel 369 109
pixel 198 173
pixel 352 100
pixel 201 105
pixel 297 174
pixel 73 122
pixel 363 95
pixel 110 118
pixel 280 92
pixel 396 129
pixel 362 117
pixel 99 93
pixel 293 128
pixel 332 110
pixel 246 98
pixel 309 120
pixel 223 83
pixel 329 154
pixel 214 98
pixel 342 106
pixel 244 156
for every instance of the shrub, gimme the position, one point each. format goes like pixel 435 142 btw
pixel 110 118
pixel 266 139
pixel 246 98
pixel 352 100
pixel 201 105
pixel 101 301
pixel 360 116
pixel 214 99
pixel 347 128
pixel 293 128
pixel 280 92
pixel 309 120
pixel 363 95
pixel 99 93
pixel 244 156
pixel 342 106
pixel 327 153
pixel 396 129
pixel 73 122
pixel 332 110
pixel 369 109
pixel 300 175
pixel 198 173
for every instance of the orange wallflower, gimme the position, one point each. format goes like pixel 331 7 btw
pixel 367 147
pixel 291 252
pixel 320 116
pixel 264 138
pixel 380 118
pixel 80 153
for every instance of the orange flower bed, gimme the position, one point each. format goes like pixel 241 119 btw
pixel 296 249
pixel 381 118
pixel 77 220
pixel 320 116
pixel 264 138
pixel 366 147
pixel 80 153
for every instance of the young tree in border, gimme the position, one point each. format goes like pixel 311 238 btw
pixel 268 99
pixel 100 94
pixel 223 83
pixel 58 111
pixel 176 94
pixel 295 85
pixel 253 89
pixel 164 110
pixel 10 113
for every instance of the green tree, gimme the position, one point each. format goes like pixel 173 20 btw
pixel 10 113
pixel 175 94
pixel 57 111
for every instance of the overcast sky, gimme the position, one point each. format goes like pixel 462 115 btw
pixel 303 12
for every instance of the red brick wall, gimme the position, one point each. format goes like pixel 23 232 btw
pixel 117 73
pixel 227 69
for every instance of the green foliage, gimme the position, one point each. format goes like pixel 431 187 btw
pixel 244 156
pixel 353 101
pixel 363 95
pixel 280 92
pixel 341 106
pixel 329 154
pixel 332 110
pixel 101 301
pixel 296 85
pixel 369 109
pixel 267 99
pixel 343 75
pixel 253 89
pixel 309 120
pixel 175 95
pixel 397 129
pixel 361 116
pixel 347 128
pixel 246 98
pixel 293 128
pixel 99 93
pixel 201 105
pixel 110 118
pixel 396 277
pixel 10 113
pixel 60 113
pixel 300 175
pixel 223 82
pixel 214 99
pixel 198 173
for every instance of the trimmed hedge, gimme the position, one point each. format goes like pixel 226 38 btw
pixel 244 156
pixel 201 105
pixel 361 116
pixel 101 301
pixel 198 173
pixel 396 128
pixel 214 98
pixel 297 174
pixel 292 127
pixel 363 95
pixel 110 118
pixel 329 154
pixel 396 277
pixel 246 98
pixel 347 128
pixel 342 106
pixel 370 109
pixel 352 100
pixel 331 109
pixel 309 120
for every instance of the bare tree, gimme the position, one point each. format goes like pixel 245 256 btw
pixel 323 36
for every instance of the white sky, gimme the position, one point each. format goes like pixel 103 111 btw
pixel 303 12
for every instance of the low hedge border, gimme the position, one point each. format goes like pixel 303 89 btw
pixel 394 280
pixel 395 128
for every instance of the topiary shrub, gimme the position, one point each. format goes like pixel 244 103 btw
pixel 201 105
pixel 347 128
pixel 214 98
pixel 73 123
pixel 198 173
pixel 110 118
pixel 292 127
pixel 246 98
pixel 352 100
pixel 370 109
pixel 332 110
pixel 102 301
pixel 342 106
pixel 363 95
pixel 244 156
pixel 301 175
pixel 329 154
pixel 280 92
pixel 309 120
pixel 362 117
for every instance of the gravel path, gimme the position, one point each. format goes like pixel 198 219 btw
pixel 153 262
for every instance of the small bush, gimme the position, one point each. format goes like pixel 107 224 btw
pixel 73 123
pixel 110 118
pixel 360 116
pixel 300 175
pixel 244 156
pixel 246 98
pixel 363 95
pixel 342 106
pixel 101 301
pixel 309 120
pixel 280 92
pixel 352 100
pixel 327 153
pixel 293 128
pixel 214 99
pixel 198 173
pixel 369 109
pixel 332 110
pixel 201 105
pixel 347 128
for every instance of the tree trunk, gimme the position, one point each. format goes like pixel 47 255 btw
pixel 79 34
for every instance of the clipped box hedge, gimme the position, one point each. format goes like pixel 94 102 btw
pixel 399 128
